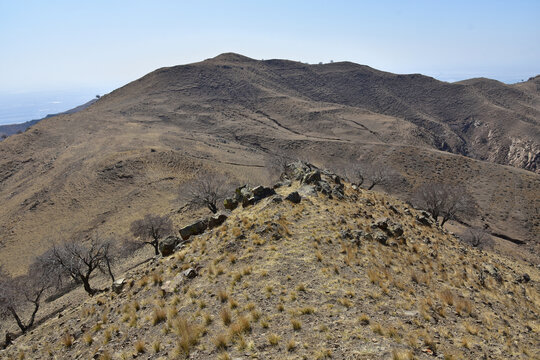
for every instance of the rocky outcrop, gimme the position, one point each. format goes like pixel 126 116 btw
pixel 323 181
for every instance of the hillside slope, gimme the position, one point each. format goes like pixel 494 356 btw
pixel 356 278
pixel 133 151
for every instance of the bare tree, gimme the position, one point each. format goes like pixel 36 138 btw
pixel 78 260
pixel 478 237
pixel 373 173
pixel 207 190
pixel 152 228
pixel 444 200
pixel 23 294
pixel 276 165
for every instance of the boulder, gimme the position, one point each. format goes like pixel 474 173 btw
pixel 167 245
pixel 196 228
pixel 294 197
pixel 230 203
pixel 216 220
pixel 261 192
pixel 118 285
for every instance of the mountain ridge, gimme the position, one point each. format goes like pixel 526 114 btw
pixel 135 149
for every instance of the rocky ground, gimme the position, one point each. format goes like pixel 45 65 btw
pixel 320 269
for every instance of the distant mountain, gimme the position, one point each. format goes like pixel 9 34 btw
pixel 7 130
pixel 134 150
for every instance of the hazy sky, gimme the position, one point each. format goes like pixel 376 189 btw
pixel 104 44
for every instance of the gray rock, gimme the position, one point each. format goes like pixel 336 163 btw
pixel 172 286
pixel 307 190
pixel 118 285
pixel 167 245
pixel 294 197
pixel 312 177
pixel 190 273
pixel 381 237
pixel 283 183
pixel 216 220
pixel 324 187
pixel 296 170
pixel 196 228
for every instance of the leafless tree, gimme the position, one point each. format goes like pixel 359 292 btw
pixel 478 237
pixel 373 173
pixel 276 165
pixel 444 200
pixel 151 228
pixel 78 260
pixel 207 190
pixel 22 295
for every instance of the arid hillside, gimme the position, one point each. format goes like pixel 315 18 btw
pixel 134 150
pixel 359 275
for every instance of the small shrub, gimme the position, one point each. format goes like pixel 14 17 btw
pixel 67 340
pixel 225 315
pixel 140 347
pixel 273 339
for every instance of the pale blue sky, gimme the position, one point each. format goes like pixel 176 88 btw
pixel 66 44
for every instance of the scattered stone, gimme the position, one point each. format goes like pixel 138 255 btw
pixel 396 230
pixel 216 220
pixel 525 278
pixel 381 237
pixel 118 285
pixel 424 219
pixel 167 246
pixel 196 228
pixel 493 271
pixel 381 223
pixel 283 183
pixel 190 273
pixel 294 197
